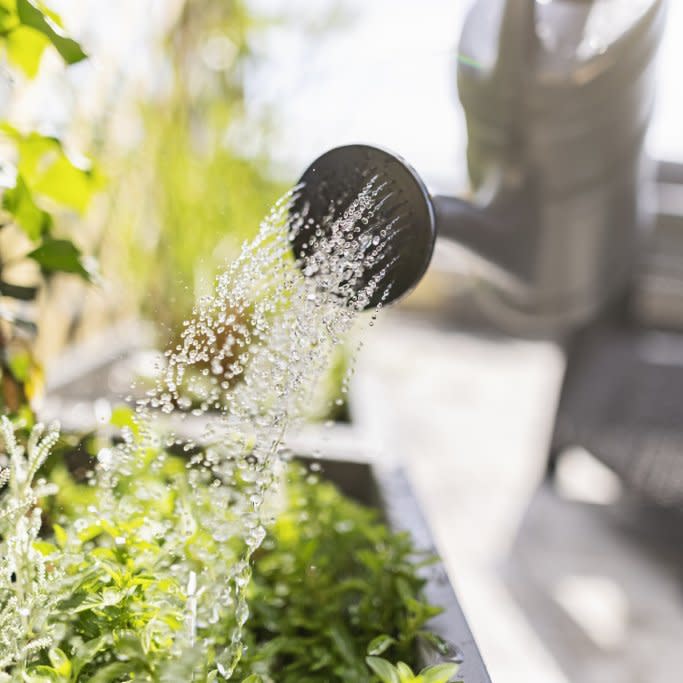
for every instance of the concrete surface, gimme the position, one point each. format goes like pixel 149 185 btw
pixel 563 583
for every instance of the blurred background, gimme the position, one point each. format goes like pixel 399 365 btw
pixel 192 117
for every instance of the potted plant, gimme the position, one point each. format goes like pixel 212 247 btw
pixel 89 592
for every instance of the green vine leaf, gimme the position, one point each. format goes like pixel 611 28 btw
pixel 25 48
pixel 20 292
pixel 27 29
pixel 49 172
pixel 61 256
pixel 19 202
pixel 30 15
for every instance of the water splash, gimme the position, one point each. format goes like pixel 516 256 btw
pixel 253 353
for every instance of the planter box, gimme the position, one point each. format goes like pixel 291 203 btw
pixel 386 489
pixel 389 491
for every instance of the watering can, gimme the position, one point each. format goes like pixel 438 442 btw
pixel 561 218
pixel 557 96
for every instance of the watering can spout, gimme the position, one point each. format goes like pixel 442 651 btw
pixel 414 217
pixel 557 96
pixel 488 233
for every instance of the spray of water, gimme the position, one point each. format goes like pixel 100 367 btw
pixel 253 352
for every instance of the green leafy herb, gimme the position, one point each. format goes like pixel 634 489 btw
pixel 27 585
pixel 331 579
pixel 329 583
pixel 402 673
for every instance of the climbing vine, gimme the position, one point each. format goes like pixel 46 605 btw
pixel 40 183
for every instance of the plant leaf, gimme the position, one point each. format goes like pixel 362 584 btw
pixel 440 673
pixel 405 673
pixel 60 256
pixel 25 48
pixel 18 291
pixel 380 644
pixel 65 183
pixel 383 669
pixel 87 652
pixel 19 202
pixel 114 672
pixel 123 416
pixel 60 535
pixel 47 549
pixel 60 662
pixel 43 674
pixel 49 172
pixel 32 16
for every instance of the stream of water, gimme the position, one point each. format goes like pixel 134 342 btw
pixel 253 353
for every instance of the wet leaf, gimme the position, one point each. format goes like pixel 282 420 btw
pixel 386 672
pixel 43 674
pixel 122 416
pixel 60 662
pixel 440 673
pixel 45 548
pixel 380 644
pixel 60 535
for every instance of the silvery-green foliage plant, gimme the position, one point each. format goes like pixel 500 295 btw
pixel 27 581
pixel 103 598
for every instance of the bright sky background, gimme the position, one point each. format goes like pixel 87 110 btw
pixel 385 76
pixel 388 77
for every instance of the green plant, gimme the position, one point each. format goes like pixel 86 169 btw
pixel 27 28
pixel 39 185
pixel 402 673
pixel 27 593
pixel 102 580
pixel 191 197
pixel 330 579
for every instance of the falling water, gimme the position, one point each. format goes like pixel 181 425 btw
pixel 253 353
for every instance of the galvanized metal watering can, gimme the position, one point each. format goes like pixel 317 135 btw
pixel 557 96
